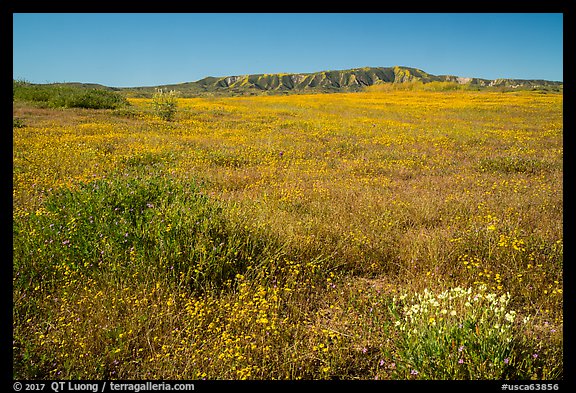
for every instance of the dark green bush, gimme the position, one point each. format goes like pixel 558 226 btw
pixel 17 123
pixel 512 165
pixel 57 96
pixel 159 227
pixel 165 104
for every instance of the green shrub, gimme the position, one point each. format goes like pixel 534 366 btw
pixel 165 228
pixel 164 104
pixel 57 96
pixel 17 123
pixel 512 165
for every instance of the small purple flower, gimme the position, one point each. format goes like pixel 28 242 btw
pixel 461 361
pixel 364 350
pixel 461 348
pixel 414 372
pixel 506 361
pixel 535 355
pixel 382 362
pixel 65 242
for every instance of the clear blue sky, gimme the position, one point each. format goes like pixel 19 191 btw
pixel 124 50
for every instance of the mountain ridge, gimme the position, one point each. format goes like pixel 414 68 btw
pixel 349 80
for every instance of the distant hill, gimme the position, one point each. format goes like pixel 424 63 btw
pixel 324 81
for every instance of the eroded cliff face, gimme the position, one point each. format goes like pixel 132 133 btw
pixel 327 81
pixel 345 80
pixel 350 80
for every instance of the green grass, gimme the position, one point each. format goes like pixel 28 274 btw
pixel 138 223
pixel 55 96
pixel 513 165
pixel 18 123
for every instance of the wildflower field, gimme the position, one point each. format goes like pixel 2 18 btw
pixel 372 235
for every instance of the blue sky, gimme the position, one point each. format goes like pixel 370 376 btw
pixel 125 50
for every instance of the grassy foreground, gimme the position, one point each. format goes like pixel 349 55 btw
pixel 375 235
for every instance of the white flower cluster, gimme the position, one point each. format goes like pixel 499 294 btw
pixel 486 312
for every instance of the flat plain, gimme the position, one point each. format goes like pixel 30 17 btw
pixel 373 235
